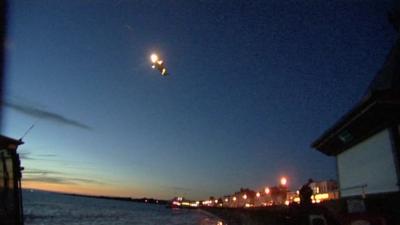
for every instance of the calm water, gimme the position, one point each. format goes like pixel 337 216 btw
pixel 43 208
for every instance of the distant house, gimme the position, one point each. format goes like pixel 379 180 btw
pixel 243 198
pixel 324 190
pixel 366 140
pixel 325 186
pixel 278 195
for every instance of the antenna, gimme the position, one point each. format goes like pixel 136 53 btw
pixel 28 130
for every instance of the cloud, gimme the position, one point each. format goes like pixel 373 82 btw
pixel 51 180
pixel 40 172
pixel 27 155
pixel 54 177
pixel 176 188
pixel 46 115
pixel 88 181
pixel 46 155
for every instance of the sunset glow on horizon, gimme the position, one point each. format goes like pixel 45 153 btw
pixel 84 189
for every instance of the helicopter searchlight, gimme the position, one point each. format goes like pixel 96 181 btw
pixel 157 63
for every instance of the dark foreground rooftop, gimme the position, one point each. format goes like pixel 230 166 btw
pixel 378 109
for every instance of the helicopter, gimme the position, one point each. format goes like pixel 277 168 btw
pixel 158 64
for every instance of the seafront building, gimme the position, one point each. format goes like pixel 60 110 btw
pixel 243 198
pixel 322 191
pixel 325 186
pixel 366 143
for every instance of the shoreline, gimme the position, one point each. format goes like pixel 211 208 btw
pixel 126 199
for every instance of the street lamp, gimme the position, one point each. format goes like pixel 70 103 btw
pixel 283 181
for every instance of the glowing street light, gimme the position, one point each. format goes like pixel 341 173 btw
pixel 283 181
pixel 234 198
pixel 244 196
pixel 267 191
pixel 287 202
pixel 258 194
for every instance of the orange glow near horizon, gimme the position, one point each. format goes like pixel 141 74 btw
pixel 283 181
pixel 87 189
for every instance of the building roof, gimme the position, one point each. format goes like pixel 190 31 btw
pixel 5 142
pixel 378 109
pixel 388 78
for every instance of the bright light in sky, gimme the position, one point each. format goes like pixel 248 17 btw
pixel 154 58
pixel 163 71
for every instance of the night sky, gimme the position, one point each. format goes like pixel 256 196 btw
pixel 252 84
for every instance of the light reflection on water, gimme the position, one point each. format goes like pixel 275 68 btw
pixel 43 208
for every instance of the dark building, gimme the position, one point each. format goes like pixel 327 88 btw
pixel 10 182
pixel 366 144
pixel 366 141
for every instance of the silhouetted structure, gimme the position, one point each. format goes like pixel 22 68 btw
pixel 366 141
pixel 305 194
pixel 10 183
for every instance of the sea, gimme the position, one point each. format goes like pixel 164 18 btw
pixel 47 208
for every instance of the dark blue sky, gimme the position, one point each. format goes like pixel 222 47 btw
pixel 252 85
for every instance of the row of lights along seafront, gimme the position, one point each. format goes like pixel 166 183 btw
pixel 268 196
pixel 276 195
pixel 243 198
